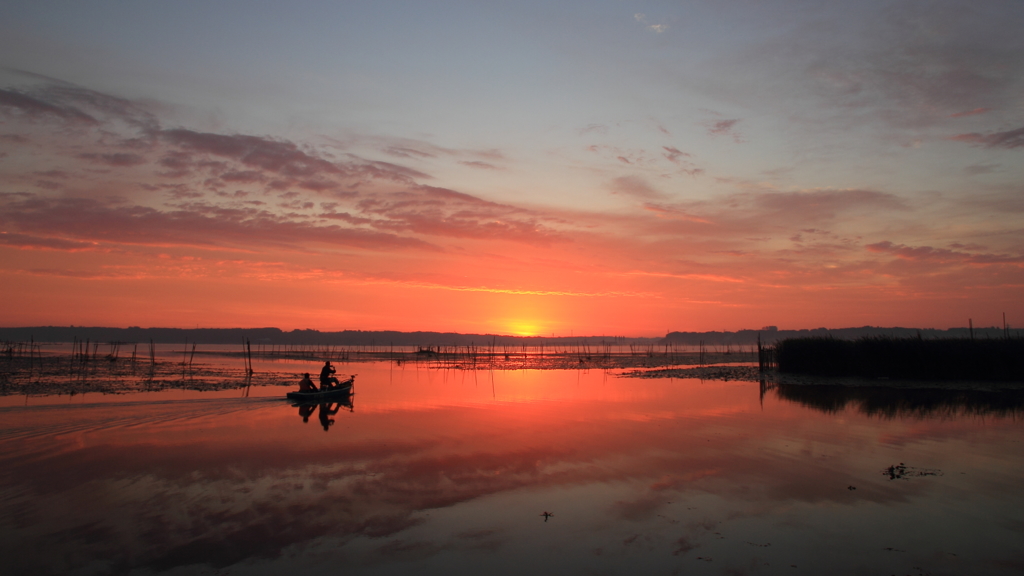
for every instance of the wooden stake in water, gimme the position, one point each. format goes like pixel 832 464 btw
pixel 248 351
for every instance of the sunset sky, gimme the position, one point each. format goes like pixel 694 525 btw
pixel 607 167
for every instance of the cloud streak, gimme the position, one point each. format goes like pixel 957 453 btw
pixel 1009 139
pixel 76 221
pixel 17 102
pixel 941 255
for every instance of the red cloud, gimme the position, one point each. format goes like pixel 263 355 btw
pixel 190 225
pixel 478 164
pixel 118 160
pixel 1008 139
pixel 634 186
pixel 443 212
pixel 271 155
pixel 928 253
pixel 970 112
pixel 673 154
pixel 723 128
pixel 29 241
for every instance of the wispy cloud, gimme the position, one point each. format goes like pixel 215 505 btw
pixel 280 157
pixel 117 159
pixel 634 186
pixel 723 128
pixel 478 164
pixel 975 169
pixel 74 221
pixel 674 154
pixel 442 212
pixel 13 101
pixel 42 242
pixel 942 255
pixel 1009 139
pixel 974 112
pixel 656 28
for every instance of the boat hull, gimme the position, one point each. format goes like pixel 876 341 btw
pixel 342 391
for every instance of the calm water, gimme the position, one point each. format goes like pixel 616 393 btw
pixel 450 472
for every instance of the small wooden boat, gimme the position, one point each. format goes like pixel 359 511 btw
pixel 340 392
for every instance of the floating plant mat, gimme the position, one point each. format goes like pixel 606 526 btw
pixel 49 375
pixel 74 373
pixel 903 472
pixel 748 373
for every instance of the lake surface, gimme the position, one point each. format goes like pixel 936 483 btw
pixel 432 471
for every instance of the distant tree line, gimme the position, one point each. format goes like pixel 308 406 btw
pixel 770 334
pixel 276 336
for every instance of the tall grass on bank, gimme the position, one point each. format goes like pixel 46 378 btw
pixel 905 358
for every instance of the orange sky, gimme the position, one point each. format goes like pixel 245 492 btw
pixel 743 176
pixel 136 242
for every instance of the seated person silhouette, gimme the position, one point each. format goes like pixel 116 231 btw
pixel 306 385
pixel 327 379
pixel 306 410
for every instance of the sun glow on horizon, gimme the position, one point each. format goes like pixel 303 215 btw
pixel 524 328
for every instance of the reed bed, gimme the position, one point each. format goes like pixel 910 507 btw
pixel 78 373
pixel 904 358
pixel 117 367
pixel 494 356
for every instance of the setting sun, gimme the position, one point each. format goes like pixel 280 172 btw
pixel 524 328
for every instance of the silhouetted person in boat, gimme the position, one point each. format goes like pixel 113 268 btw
pixel 327 379
pixel 306 410
pixel 325 411
pixel 306 385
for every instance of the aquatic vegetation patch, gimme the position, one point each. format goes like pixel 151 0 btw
pixel 903 472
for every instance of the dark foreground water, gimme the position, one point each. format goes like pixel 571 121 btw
pixel 450 473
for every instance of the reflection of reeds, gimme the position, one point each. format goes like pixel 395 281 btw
pixel 907 358
pixel 247 356
pixel 905 402
pixel 115 349
pixel 767 358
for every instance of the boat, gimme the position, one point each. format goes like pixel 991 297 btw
pixel 340 392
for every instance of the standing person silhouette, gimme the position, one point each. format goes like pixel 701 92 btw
pixel 325 414
pixel 327 379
